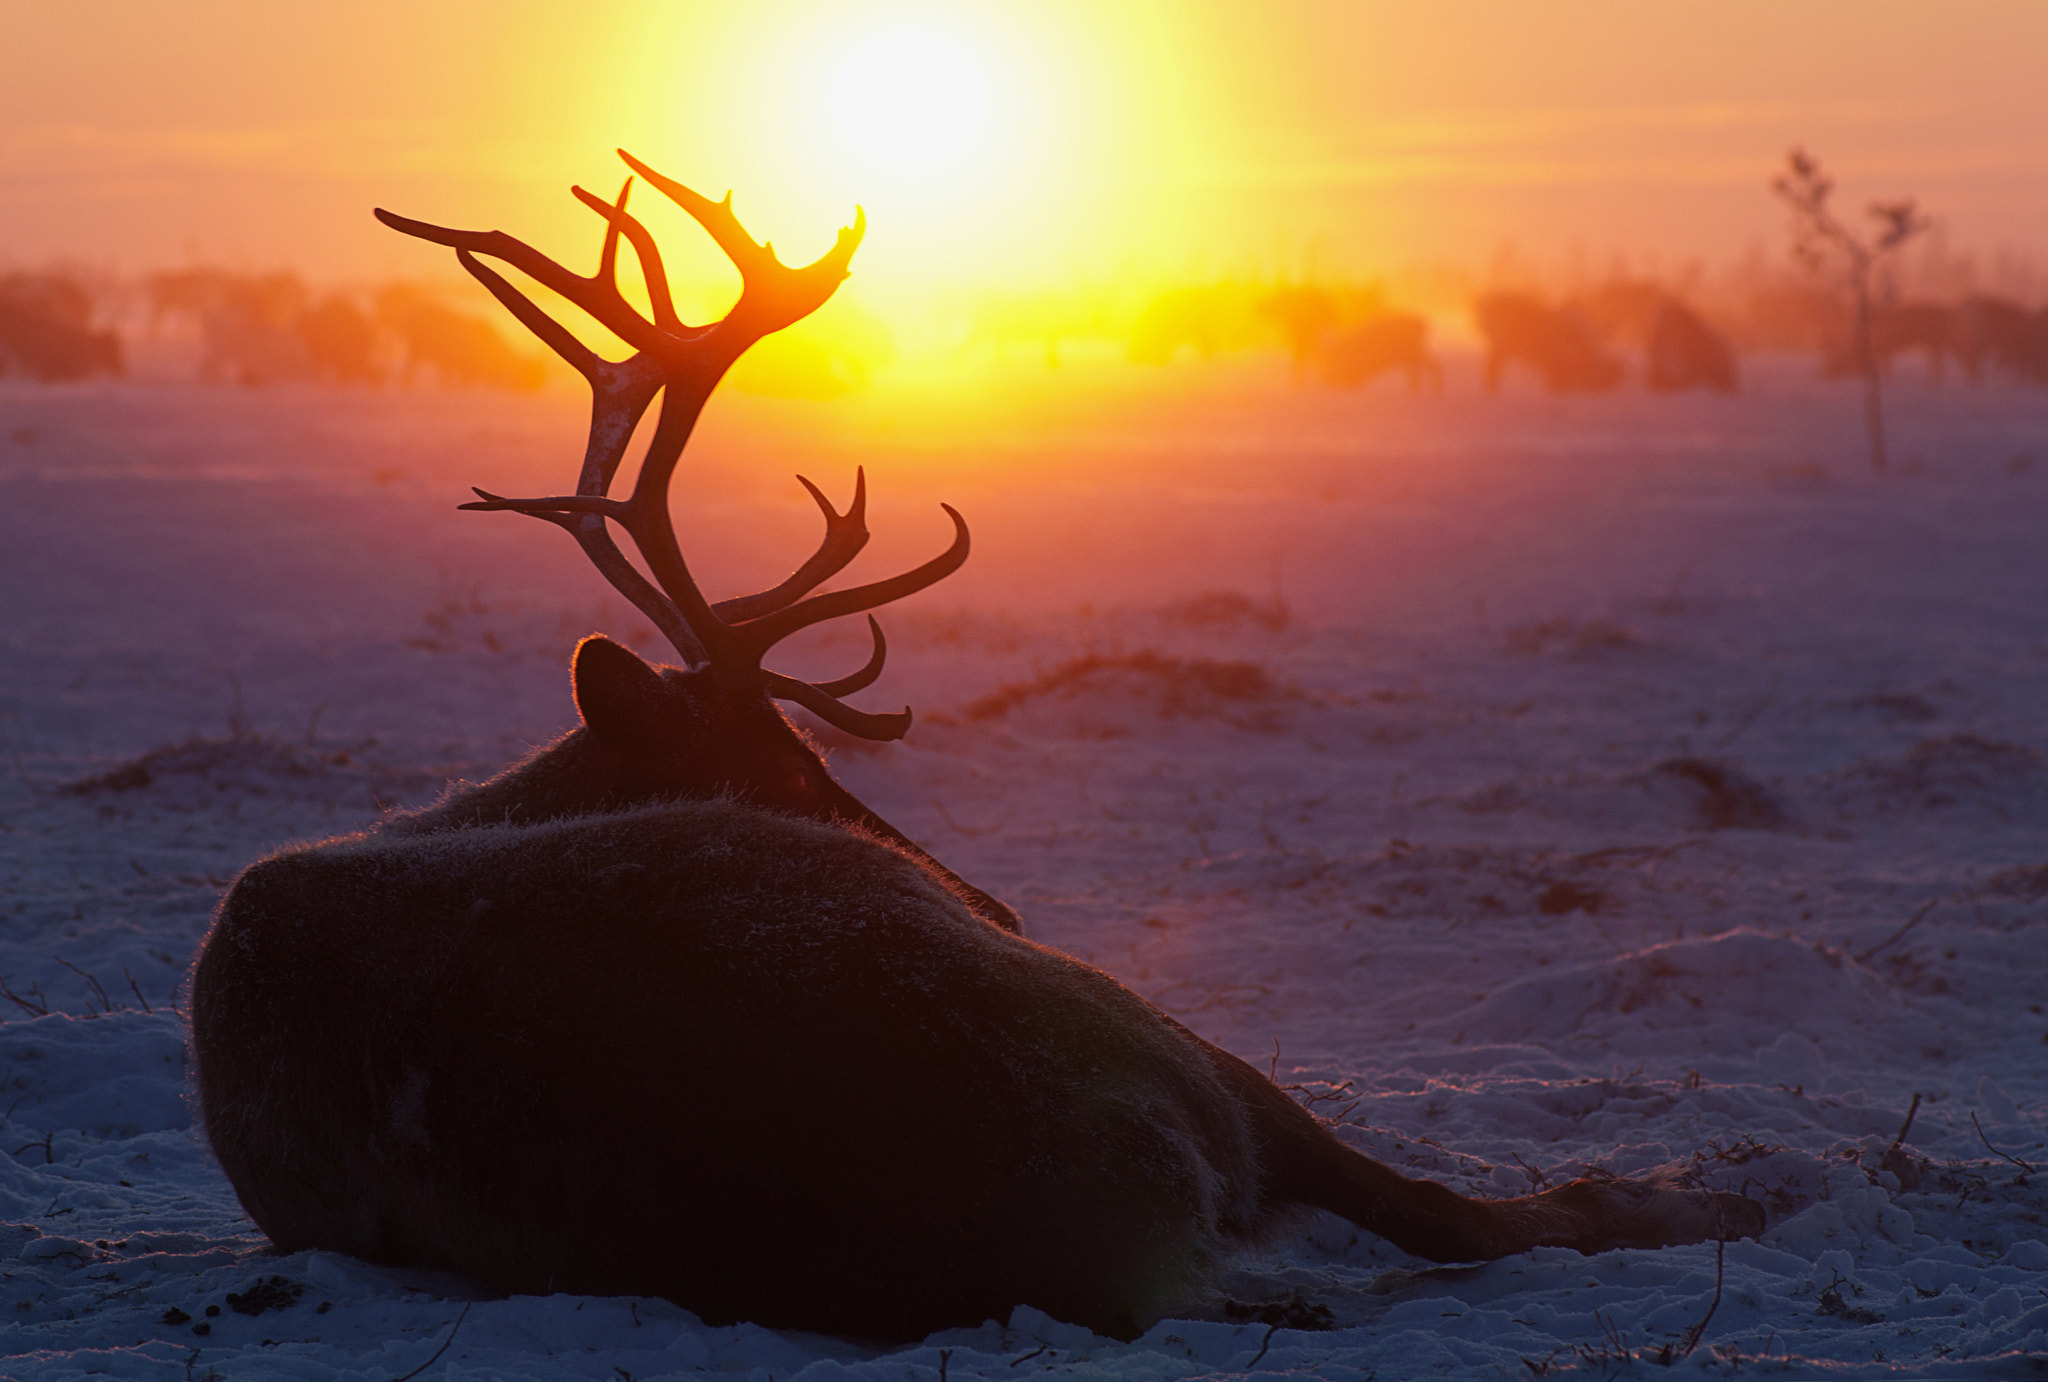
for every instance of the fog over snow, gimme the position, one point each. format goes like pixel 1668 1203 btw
pixel 1537 785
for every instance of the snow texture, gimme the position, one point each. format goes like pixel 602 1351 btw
pixel 1539 785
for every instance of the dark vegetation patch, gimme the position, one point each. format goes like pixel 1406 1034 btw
pixel 277 1293
pixel 1177 688
pixel 1441 882
pixel 239 757
pixel 196 772
pixel 1562 897
pixel 1724 796
pixel 1948 771
pixel 2026 884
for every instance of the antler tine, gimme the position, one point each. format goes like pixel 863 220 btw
pixel 773 294
pixel 596 542
pixel 600 299
pixel 620 393
pixel 845 535
pixel 836 714
pixel 758 637
pixel 866 676
pixel 557 337
pixel 608 256
pixel 683 365
pixel 618 219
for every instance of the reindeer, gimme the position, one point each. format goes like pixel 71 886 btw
pixel 2000 332
pixel 1351 340
pixel 1680 351
pixel 665 1011
pixel 1557 342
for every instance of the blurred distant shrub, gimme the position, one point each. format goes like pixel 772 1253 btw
pixel 458 349
pixel 1349 337
pixel 1825 245
pixel 261 329
pixel 46 330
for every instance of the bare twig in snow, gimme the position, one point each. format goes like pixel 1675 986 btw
pixel 442 1349
pixel 1899 934
pixel 1994 1151
pixel 1907 1126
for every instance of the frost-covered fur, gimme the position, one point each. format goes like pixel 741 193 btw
pixel 654 734
pixel 772 1066
pixel 764 1067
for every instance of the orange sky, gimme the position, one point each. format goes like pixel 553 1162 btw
pixel 1174 135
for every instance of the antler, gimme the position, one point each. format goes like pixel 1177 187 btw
pixel 684 364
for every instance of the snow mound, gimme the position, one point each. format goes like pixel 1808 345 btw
pixel 1104 696
pixel 1737 990
pixel 118 1074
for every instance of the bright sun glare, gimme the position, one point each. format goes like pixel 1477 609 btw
pixel 910 100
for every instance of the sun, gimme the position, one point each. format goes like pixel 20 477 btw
pixel 910 100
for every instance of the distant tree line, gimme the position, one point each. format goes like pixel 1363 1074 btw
pixel 270 329
pixel 258 329
pixel 1595 339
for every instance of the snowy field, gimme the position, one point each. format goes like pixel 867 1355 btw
pixel 1538 785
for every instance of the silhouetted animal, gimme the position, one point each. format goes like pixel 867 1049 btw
pixel 663 1011
pixel 1306 315
pixel 2003 334
pixel 1621 309
pixel 1793 318
pixel 1351 341
pixel 1895 330
pixel 1683 352
pixel 1389 341
pixel 46 330
pixel 1556 342
pixel 341 341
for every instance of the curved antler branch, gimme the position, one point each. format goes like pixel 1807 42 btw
pixel 596 541
pixel 552 333
pixel 764 633
pixel 618 219
pixel 772 294
pixel 552 504
pixel 845 534
pixel 684 364
pixel 599 298
pixel 856 722
pixel 865 677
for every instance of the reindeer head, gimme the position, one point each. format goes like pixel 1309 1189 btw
pixel 712 725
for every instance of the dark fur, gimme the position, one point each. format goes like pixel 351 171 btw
pixel 1683 352
pixel 769 1067
pixel 650 735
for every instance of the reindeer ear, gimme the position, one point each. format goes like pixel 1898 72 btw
pixel 617 694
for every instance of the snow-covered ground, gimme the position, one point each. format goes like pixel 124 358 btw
pixel 1537 784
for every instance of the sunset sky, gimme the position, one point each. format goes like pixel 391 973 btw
pixel 1009 142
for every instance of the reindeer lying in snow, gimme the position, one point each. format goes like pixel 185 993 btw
pixel 666 1011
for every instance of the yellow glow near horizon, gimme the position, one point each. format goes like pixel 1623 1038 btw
pixel 911 100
